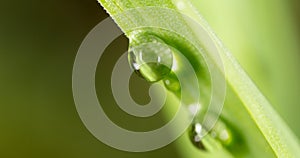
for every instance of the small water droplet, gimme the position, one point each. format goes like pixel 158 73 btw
pixel 196 135
pixel 180 5
pixel 194 109
pixel 172 83
pixel 219 136
pixel 222 133
pixel 151 59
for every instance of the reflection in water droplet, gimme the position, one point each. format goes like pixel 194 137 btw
pixel 152 59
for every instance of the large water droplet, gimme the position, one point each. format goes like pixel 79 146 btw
pixel 151 59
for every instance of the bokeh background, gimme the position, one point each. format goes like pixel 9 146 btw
pixel 39 41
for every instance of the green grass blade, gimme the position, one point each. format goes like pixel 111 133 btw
pixel 264 122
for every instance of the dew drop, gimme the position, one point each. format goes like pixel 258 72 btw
pixel 222 133
pixel 151 59
pixel 196 135
pixel 172 83
pixel 219 136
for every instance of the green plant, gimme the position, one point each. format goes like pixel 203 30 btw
pixel 257 130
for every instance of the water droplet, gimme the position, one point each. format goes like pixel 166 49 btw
pixel 180 5
pixel 219 136
pixel 151 59
pixel 222 133
pixel 172 83
pixel 196 135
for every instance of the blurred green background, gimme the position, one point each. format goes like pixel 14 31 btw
pixel 39 41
